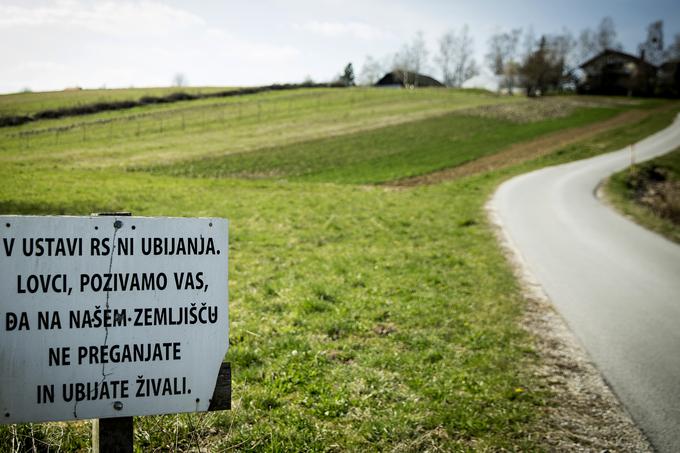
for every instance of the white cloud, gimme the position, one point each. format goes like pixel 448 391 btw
pixel 218 42
pixel 141 43
pixel 357 30
pixel 124 18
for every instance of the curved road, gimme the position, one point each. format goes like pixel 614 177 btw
pixel 616 284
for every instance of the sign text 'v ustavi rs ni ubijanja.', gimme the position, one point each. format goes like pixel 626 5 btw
pixel 110 316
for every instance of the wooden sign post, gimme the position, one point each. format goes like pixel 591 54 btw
pixel 111 435
pixel 111 317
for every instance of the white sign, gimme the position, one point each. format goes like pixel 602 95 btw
pixel 110 316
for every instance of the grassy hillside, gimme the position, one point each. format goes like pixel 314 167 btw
pixel 385 154
pixel 215 127
pixel 650 194
pixel 30 103
pixel 362 318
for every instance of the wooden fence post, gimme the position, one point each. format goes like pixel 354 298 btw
pixel 113 435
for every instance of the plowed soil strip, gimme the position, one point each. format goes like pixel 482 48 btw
pixel 524 151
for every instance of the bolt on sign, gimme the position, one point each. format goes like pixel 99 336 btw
pixel 110 316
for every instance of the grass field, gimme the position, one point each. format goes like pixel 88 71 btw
pixel 650 194
pixel 362 318
pixel 215 127
pixel 384 154
pixel 29 103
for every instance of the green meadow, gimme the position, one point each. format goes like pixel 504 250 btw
pixel 28 103
pixel 363 318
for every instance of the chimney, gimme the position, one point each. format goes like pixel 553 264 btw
pixel 642 54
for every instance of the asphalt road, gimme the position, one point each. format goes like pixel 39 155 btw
pixel 616 284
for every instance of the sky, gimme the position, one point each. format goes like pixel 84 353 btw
pixel 51 45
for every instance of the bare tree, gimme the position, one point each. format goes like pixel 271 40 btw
pixel 418 53
pixel 511 75
pixel 593 42
pixel 652 49
pixel 606 34
pixel 411 59
pixel 673 51
pixel 563 49
pixel 179 80
pixel 564 45
pixel 529 42
pixel 371 71
pixel 587 44
pixel 455 57
pixel 447 50
pixel 401 63
pixel 502 57
pixel 496 55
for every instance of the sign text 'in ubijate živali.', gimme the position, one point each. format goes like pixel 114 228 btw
pixel 110 316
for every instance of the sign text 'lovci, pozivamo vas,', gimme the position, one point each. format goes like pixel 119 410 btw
pixel 110 316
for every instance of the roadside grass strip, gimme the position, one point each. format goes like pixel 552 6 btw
pixel 649 193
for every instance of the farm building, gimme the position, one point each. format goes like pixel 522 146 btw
pixel 399 78
pixel 668 79
pixel 618 73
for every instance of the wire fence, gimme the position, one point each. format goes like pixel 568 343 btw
pixel 205 117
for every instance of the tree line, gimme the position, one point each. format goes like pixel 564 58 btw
pixel 517 57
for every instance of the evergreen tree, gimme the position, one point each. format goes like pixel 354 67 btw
pixel 348 75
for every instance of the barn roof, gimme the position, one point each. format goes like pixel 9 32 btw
pixel 396 77
pixel 624 55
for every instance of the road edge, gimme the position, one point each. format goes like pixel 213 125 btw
pixel 582 413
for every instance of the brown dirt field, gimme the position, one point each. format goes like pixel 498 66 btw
pixel 524 151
